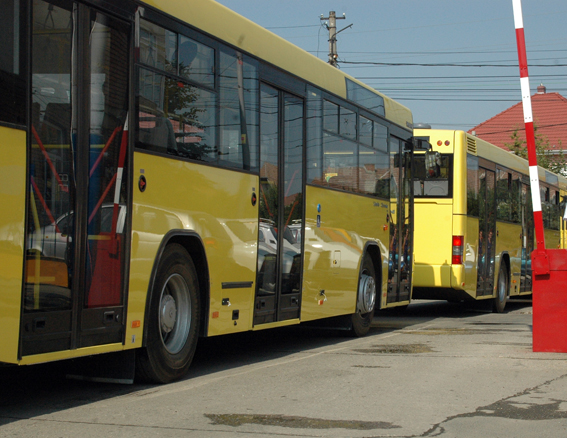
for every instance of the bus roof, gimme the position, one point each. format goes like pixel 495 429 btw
pixel 236 30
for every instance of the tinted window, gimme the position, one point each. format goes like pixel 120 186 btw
pixel 176 118
pixel 238 142
pixel 331 117
pixel 348 123
pixel 472 185
pixel 365 97
pixel 12 63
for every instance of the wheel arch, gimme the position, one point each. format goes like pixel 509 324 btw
pixel 505 259
pixel 193 244
pixel 372 250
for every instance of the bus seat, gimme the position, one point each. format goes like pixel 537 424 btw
pixel 160 137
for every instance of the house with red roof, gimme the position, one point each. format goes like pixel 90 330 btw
pixel 550 118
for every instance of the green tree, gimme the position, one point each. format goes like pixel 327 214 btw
pixel 554 162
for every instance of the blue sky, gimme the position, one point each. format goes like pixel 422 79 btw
pixel 477 33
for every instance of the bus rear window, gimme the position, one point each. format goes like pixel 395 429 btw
pixel 433 175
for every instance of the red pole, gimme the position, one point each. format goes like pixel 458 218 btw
pixel 529 124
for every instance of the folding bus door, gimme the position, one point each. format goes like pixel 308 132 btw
pixel 280 248
pixel 401 220
pixel 486 233
pixel 76 214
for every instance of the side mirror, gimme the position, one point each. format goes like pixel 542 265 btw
pixel 421 144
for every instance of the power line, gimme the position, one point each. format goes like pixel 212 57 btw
pixel 459 99
pixel 411 64
pixel 455 77
pixel 450 52
pixel 291 27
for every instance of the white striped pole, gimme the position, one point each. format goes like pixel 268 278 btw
pixel 529 123
pixel 119 171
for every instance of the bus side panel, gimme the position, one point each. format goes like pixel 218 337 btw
pixel 460 168
pixel 552 239
pixel 12 237
pixel 471 256
pixel 214 203
pixel 509 239
pixel 433 243
pixel 333 249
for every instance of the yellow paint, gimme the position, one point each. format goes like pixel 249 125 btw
pixel 348 222
pixel 69 354
pixel 213 203
pixel 432 242
pixel 12 238
pixel 276 324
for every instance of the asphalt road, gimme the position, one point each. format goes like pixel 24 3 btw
pixel 433 370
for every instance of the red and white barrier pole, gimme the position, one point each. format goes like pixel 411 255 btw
pixel 549 266
pixel 529 124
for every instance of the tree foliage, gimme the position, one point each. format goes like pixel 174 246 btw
pixel 546 157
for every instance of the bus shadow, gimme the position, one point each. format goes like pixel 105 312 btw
pixel 32 391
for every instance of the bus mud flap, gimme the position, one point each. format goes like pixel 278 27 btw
pixel 118 367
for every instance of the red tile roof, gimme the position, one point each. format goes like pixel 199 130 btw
pixel 549 114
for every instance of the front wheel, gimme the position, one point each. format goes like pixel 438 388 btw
pixel 173 320
pixel 501 289
pixel 365 301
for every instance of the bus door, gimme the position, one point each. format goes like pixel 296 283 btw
pixel 486 233
pixel 401 218
pixel 76 212
pixel 280 243
pixel 527 239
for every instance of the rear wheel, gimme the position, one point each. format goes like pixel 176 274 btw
pixel 366 300
pixel 173 320
pixel 501 289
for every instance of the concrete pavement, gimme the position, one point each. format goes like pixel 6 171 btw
pixel 435 370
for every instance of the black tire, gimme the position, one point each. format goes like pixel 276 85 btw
pixel 502 286
pixel 366 297
pixel 173 321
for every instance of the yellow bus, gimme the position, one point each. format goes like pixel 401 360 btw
pixel 474 229
pixel 170 171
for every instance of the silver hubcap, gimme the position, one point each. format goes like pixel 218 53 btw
pixel 174 313
pixel 366 294
pixel 168 314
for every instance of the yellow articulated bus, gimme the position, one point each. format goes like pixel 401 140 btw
pixel 170 171
pixel 474 229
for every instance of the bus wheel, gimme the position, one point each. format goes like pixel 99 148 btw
pixel 365 301
pixel 501 289
pixel 173 321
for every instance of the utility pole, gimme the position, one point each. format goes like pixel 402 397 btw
pixel 332 27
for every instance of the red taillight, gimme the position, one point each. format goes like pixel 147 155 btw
pixel 458 244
